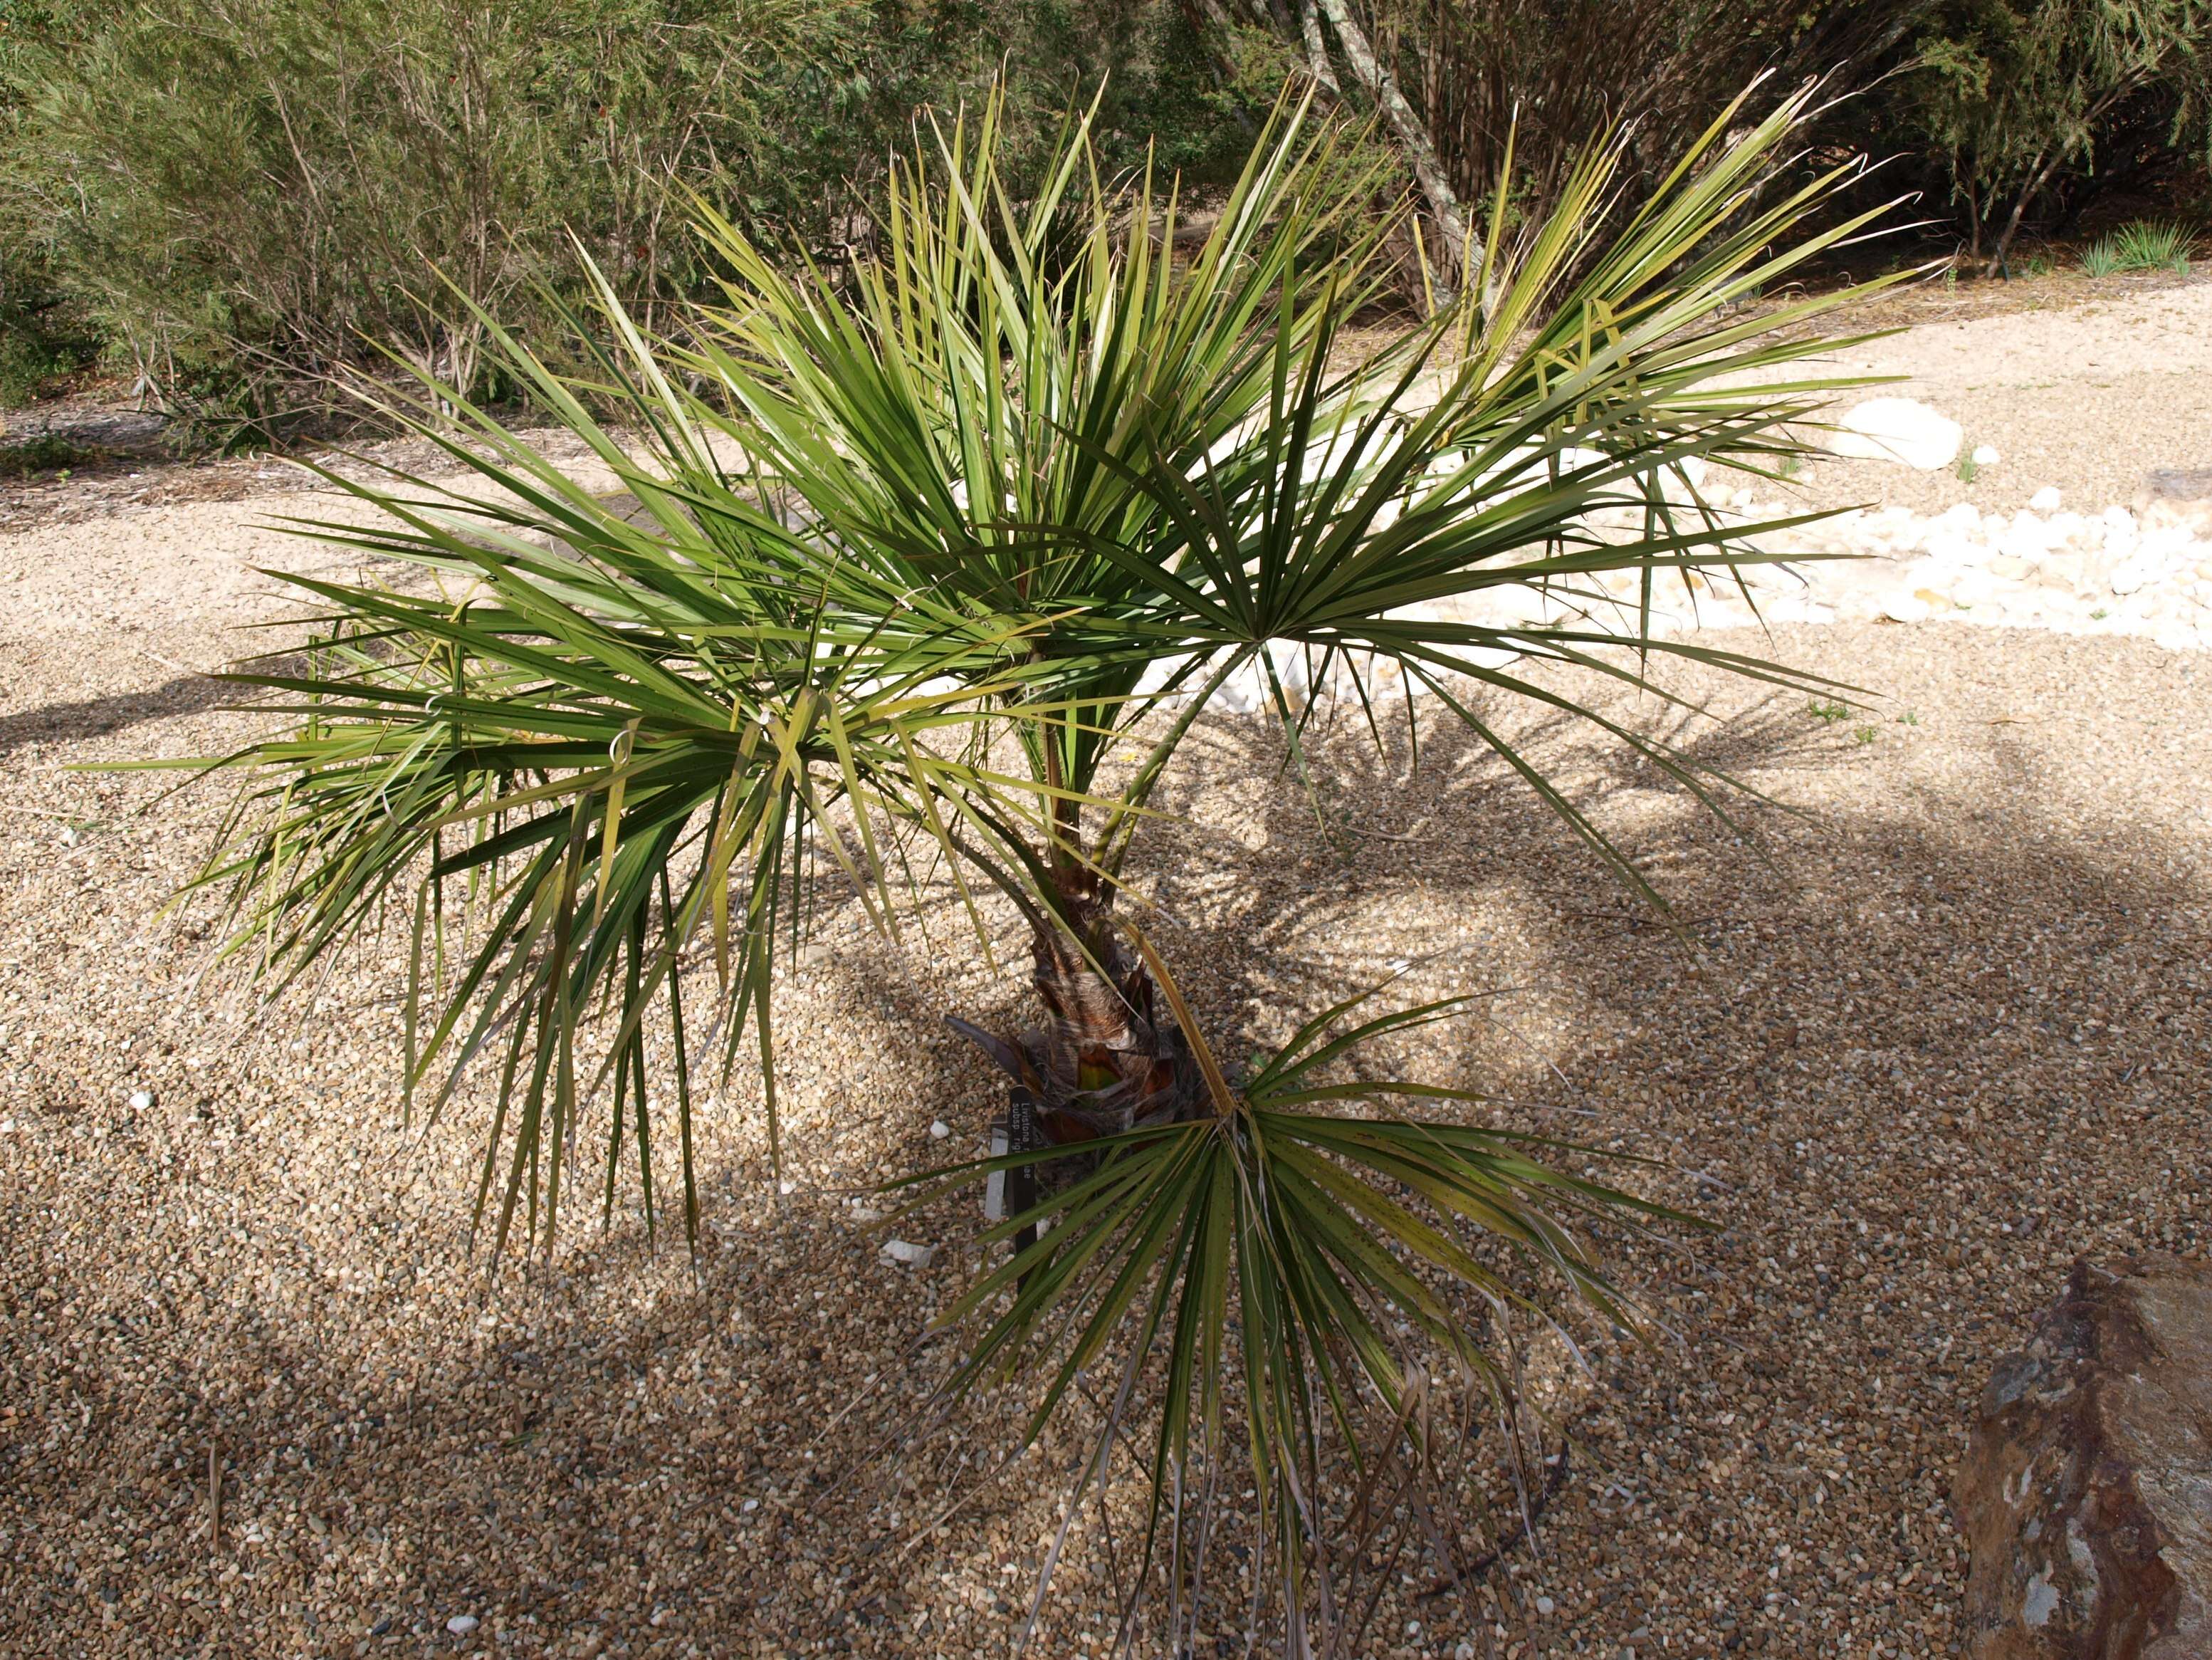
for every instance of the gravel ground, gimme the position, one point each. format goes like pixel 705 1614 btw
pixel 2080 387
pixel 1950 1034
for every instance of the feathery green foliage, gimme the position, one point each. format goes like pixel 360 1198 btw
pixel 249 196
pixel 942 564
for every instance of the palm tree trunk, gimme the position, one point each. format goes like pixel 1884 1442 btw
pixel 1108 1056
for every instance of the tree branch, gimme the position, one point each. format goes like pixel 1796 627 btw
pixel 1412 131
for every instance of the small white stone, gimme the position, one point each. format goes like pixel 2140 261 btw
pixel 914 1255
pixel 1464 1651
pixel 1973 587
pixel 461 1624
pixel 1545 1605
pixel 2131 575
pixel 2176 636
pixel 750 1506
pixel 1986 455
pixel 938 1129
pixel 2045 500
pixel 141 1099
pixel 787 1189
pixel 1907 608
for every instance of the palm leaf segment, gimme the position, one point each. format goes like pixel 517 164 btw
pixel 934 567
pixel 1329 1257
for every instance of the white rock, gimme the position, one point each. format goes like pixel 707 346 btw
pixel 1241 693
pixel 1796 608
pixel 1464 1651
pixel 938 1129
pixel 749 1506
pixel 2045 500
pixel 2131 575
pixel 1907 608
pixel 1986 455
pixel 461 1624
pixel 1900 430
pixel 2178 636
pixel 914 1255
pixel 1545 1605
pixel 1973 587
pixel 787 1189
pixel 141 1099
pixel 1684 482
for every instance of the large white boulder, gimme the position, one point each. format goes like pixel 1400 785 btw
pixel 1901 429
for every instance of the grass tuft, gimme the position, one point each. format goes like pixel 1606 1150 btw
pixel 2141 245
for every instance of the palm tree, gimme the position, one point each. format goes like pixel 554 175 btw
pixel 944 559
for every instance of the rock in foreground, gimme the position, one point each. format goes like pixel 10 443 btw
pixel 2085 1495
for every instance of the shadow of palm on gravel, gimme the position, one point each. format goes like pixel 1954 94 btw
pixel 1922 1025
pixel 95 717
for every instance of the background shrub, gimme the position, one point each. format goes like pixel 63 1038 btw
pixel 256 192
pixel 243 200
pixel 2017 102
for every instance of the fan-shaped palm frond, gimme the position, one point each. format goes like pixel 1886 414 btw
pixel 945 560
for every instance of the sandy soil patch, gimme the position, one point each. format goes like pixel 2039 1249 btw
pixel 2085 397
pixel 1955 1034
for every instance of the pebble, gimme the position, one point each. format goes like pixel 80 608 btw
pixel 1986 455
pixel 750 1506
pixel 141 1099
pixel 914 1255
pixel 461 1624
pixel 1907 608
pixel 940 1130
pixel 1545 1605
pixel 2045 500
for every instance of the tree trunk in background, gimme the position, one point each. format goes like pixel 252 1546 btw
pixel 1316 48
pixel 1998 256
pixel 2046 164
pixel 1411 132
